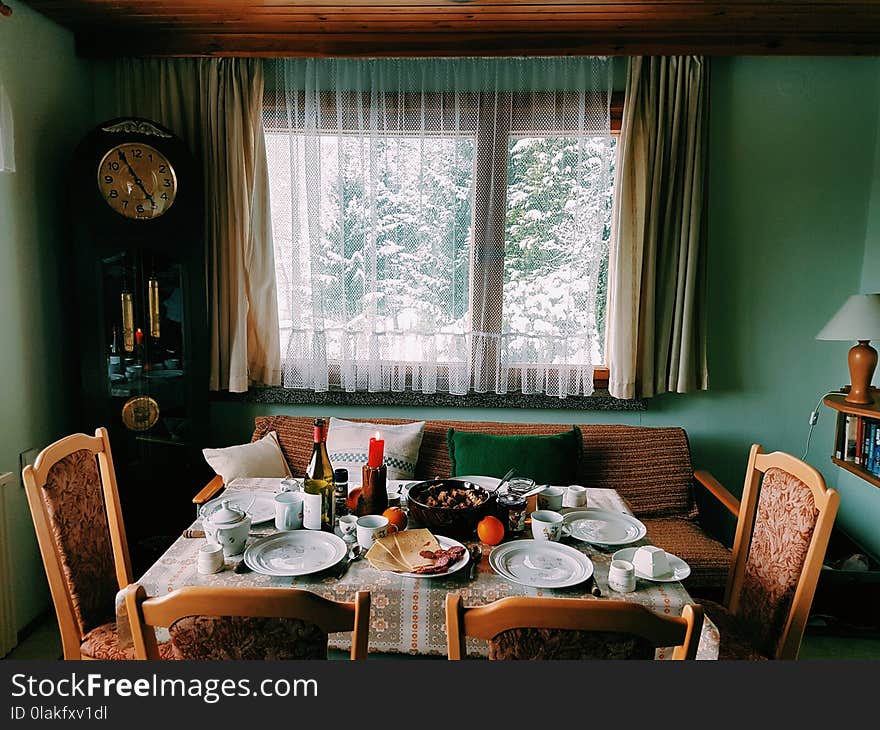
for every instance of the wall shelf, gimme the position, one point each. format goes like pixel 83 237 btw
pixel 838 403
pixel 857 470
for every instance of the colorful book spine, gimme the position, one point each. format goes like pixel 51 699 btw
pixel 875 464
pixel 852 426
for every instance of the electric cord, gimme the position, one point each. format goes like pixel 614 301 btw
pixel 814 419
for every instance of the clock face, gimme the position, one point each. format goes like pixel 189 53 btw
pixel 137 181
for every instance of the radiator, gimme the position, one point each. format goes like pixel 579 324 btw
pixel 8 629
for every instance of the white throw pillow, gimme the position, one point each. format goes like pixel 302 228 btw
pixel 348 443
pixel 261 458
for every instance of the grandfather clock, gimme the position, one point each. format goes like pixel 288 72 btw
pixel 136 211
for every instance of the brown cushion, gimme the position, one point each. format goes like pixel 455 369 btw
pixel 527 643
pixel 240 637
pixel 650 467
pixel 734 637
pixel 102 642
pixel 709 559
pixel 75 506
pixel 784 523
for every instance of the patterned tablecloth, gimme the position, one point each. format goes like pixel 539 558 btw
pixel 408 614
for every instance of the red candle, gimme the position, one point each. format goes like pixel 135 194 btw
pixel 139 335
pixel 377 450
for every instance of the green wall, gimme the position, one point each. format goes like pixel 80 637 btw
pixel 792 160
pixel 51 98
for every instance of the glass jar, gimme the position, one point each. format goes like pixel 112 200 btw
pixel 512 506
pixel 512 513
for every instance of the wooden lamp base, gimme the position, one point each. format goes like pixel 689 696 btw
pixel 862 362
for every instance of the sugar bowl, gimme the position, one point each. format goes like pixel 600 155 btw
pixel 228 526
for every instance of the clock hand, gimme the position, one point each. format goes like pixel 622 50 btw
pixel 137 180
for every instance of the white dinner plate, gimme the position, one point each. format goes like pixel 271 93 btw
pixel 680 569
pixel 445 544
pixel 541 563
pixel 490 484
pixel 297 552
pixel 259 505
pixel 602 527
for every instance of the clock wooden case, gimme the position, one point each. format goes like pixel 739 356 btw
pixel 136 208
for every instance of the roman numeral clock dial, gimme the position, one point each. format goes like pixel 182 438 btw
pixel 137 181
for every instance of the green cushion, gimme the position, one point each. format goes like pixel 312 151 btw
pixel 546 459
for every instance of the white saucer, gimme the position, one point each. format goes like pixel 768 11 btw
pixel 680 569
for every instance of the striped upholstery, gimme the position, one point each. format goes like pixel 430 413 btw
pixel 649 467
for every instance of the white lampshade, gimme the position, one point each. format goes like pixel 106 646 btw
pixel 857 319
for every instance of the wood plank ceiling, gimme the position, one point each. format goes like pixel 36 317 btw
pixel 106 28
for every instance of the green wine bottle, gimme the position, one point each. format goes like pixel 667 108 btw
pixel 319 482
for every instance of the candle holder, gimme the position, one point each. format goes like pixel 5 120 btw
pixel 373 499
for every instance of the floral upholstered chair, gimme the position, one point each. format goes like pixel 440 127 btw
pixel 212 622
pixel 71 490
pixel 785 520
pixel 570 628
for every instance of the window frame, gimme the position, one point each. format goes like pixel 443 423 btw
pixel 491 146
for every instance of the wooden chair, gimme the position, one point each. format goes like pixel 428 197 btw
pixel 74 503
pixel 785 520
pixel 208 622
pixel 570 628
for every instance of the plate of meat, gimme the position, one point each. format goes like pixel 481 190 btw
pixel 451 556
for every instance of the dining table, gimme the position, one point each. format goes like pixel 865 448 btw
pixel 407 615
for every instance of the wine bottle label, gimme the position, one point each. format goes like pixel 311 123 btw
pixel 312 511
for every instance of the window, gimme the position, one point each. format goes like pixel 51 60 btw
pixel 464 236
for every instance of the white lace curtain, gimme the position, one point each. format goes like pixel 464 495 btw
pixel 440 225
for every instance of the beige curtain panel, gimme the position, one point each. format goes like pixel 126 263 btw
pixel 215 105
pixel 657 293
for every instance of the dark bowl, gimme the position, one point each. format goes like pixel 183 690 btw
pixel 447 521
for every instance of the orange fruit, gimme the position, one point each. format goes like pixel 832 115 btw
pixel 351 501
pixel 396 516
pixel 490 530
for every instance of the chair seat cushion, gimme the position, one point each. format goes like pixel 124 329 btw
pixel 102 642
pixel 735 642
pixel 709 559
pixel 531 643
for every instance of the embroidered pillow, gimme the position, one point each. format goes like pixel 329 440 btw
pixel 262 458
pixel 348 443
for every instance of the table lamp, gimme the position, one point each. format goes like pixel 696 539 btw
pixel 858 319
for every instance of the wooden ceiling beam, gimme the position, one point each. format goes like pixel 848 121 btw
pixel 470 44
pixel 482 27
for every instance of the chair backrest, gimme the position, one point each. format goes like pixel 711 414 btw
pixel 570 628
pixel 74 503
pixel 785 520
pixel 213 622
pixel 649 467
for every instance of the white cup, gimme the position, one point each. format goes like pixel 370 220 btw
pixel 370 528
pixel 288 510
pixel 621 576
pixel 550 498
pixel 290 484
pixel 348 527
pixel 210 558
pixel 575 496
pixel 547 525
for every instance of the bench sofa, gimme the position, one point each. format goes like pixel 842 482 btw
pixel 650 467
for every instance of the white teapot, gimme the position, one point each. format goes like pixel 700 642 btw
pixel 228 526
